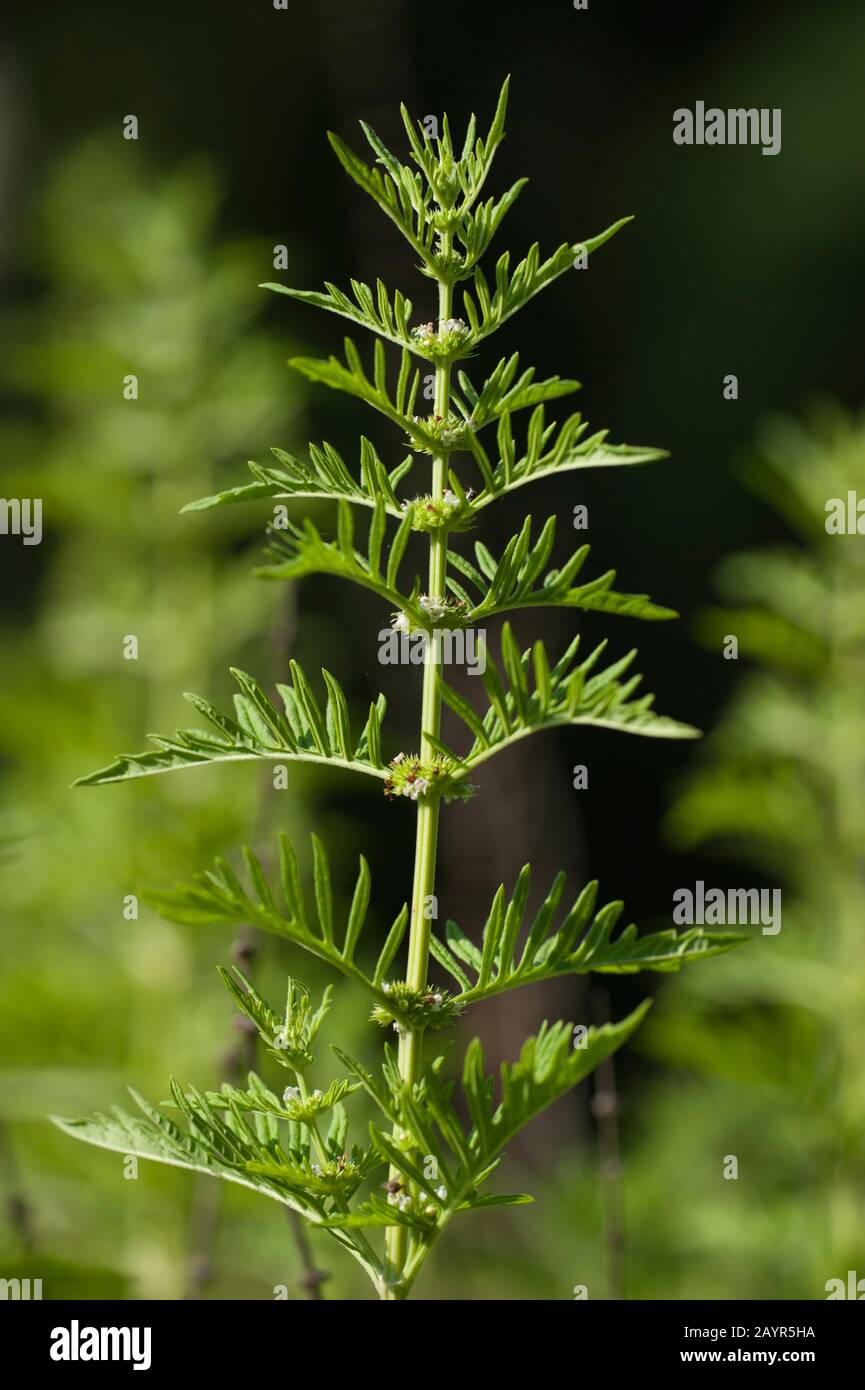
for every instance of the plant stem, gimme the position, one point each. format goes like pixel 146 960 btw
pixel 426 840
pixel 312 1125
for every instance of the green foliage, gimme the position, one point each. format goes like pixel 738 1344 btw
pixel 124 264
pixel 582 942
pixel 530 695
pixel 567 451
pixel 302 731
pixel 517 580
pixel 218 896
pixel 324 475
pixel 389 319
pixel 456 1163
pixel 235 1148
pixel 300 551
pixel 773 1040
pixel 437 1166
pixel 249 1137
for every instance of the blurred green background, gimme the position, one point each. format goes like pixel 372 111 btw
pixel 143 257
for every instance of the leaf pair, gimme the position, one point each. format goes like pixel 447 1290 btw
pixel 443 1165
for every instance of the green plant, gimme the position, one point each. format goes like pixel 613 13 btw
pixel 125 267
pixel 276 1143
pixel 775 1041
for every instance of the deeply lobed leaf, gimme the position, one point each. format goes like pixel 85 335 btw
pixel 218 896
pixel 301 731
pixel 566 694
pixel 582 942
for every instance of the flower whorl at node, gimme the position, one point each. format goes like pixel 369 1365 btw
pixel 289 1046
pixel 452 433
pixel 442 613
pixel 410 776
pixel 335 1175
pixel 450 265
pixel 303 1111
pixel 442 343
pixel 399 1196
pixel 445 513
pixel 416 1008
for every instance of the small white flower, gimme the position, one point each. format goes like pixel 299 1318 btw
pixel 442 1193
pixel 403 1201
pixel 397 1028
pixel 432 606
pixel 450 497
pixel 316 1095
pixel 316 1169
pixel 290 1093
pixel 400 623
pixel 437 1001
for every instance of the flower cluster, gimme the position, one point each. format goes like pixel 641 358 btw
pixel 302 1110
pixel 410 776
pixel 416 1008
pixel 448 265
pixel 444 342
pixel 335 1175
pixel 290 1047
pixel 450 433
pixel 441 612
pixel 399 1196
pixel 447 512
